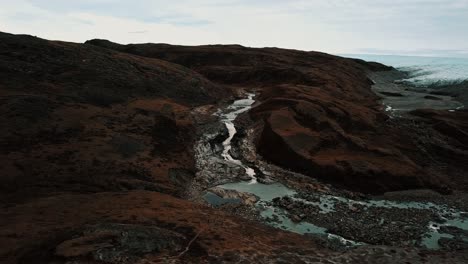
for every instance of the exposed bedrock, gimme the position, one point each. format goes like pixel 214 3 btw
pixel 324 149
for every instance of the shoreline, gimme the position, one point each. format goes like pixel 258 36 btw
pixel 398 96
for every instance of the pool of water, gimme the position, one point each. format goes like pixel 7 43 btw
pixel 216 200
pixel 266 192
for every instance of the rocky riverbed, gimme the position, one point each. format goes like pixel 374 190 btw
pixel 291 201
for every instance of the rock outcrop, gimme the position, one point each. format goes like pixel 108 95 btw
pixel 81 118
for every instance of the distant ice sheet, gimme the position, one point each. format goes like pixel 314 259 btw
pixel 424 71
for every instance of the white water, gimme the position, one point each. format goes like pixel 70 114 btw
pixel 228 118
pixel 424 71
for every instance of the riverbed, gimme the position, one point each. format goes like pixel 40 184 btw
pixel 349 222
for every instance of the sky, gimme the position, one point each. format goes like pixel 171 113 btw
pixel 403 27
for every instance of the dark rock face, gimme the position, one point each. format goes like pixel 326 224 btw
pixel 445 139
pixel 451 124
pixel 120 243
pixel 80 118
pixel 344 143
pixel 392 94
pixel 168 135
pixel 430 97
pixel 457 90
pixel 373 66
pixel 89 74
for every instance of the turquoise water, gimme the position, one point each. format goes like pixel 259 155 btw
pixel 277 217
pixel 216 200
pixel 266 192
pixel 424 71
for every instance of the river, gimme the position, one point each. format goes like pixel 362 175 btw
pixel 220 169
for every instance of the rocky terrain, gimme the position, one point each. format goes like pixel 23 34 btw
pixel 317 108
pixel 97 151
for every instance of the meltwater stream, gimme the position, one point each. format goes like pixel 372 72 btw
pixel 265 192
pixel 277 217
pixel 236 108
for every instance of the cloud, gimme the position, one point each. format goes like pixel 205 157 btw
pixel 138 32
pixel 336 26
pixel 417 52
pixel 141 10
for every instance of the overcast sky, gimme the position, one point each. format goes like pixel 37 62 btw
pixel 407 27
